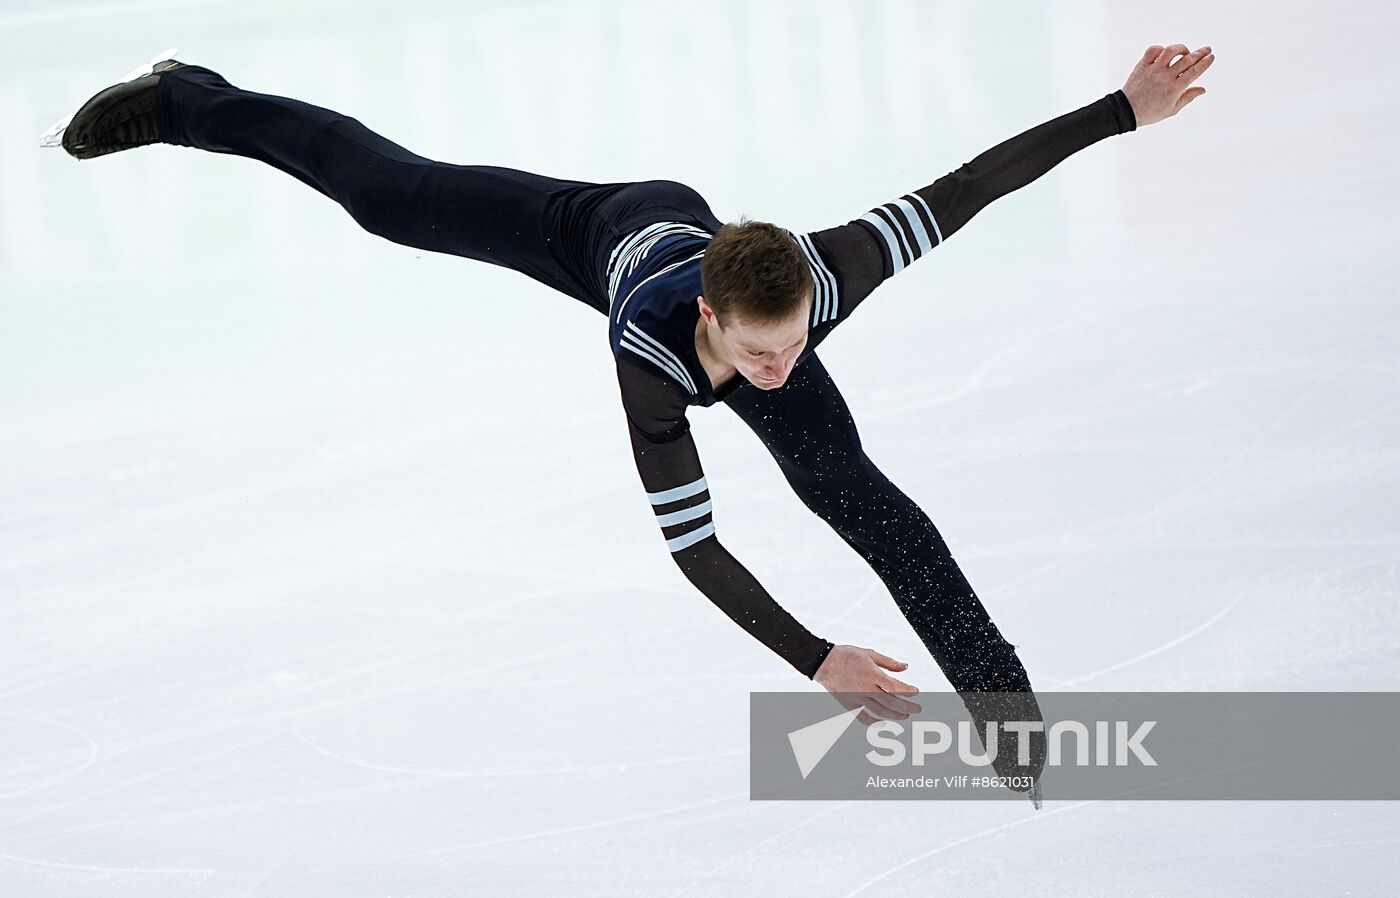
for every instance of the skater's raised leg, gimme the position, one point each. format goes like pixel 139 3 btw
pixel 497 215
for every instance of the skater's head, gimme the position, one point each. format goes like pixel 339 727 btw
pixel 757 300
pixel 755 272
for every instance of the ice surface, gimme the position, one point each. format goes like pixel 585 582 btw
pixel 297 598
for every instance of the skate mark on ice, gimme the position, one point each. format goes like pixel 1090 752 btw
pixel 493 772
pixel 969 386
pixel 1170 503
pixel 326 709
pixel 272 868
pixel 131 649
pixel 757 845
pixel 44 837
pixel 232 719
pixel 143 778
pixel 1039 816
pixel 870 589
pixel 1313 576
pixel 1047 410
pixel 918 401
pixel 161 871
pixel 1155 650
pixel 583 827
pixel 65 775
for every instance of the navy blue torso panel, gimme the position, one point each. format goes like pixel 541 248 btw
pixel 653 286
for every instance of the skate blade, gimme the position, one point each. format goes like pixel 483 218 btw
pixel 1035 795
pixel 54 136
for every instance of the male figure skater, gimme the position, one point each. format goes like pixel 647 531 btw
pixel 699 312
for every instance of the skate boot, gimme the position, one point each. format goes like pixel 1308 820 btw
pixel 121 117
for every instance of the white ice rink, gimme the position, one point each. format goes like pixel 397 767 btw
pixel 324 566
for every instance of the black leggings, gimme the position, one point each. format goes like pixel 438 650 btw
pixel 810 432
pixel 812 435
pixel 556 231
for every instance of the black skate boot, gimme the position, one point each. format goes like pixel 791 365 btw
pixel 1037 797
pixel 121 117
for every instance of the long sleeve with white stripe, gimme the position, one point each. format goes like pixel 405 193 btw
pixel 887 239
pixel 669 466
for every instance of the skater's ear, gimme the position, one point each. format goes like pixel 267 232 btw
pixel 707 311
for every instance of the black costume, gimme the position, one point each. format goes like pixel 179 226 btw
pixel 632 251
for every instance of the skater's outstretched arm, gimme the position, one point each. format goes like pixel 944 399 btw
pixel 863 253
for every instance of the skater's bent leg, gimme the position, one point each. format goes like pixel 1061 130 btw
pixel 808 428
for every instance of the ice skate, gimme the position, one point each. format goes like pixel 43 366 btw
pixel 120 117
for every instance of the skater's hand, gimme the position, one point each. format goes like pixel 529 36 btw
pixel 1157 87
pixel 857 678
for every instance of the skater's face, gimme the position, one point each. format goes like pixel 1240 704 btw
pixel 765 354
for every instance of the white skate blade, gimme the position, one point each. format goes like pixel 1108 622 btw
pixel 54 136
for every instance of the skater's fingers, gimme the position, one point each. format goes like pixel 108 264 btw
pixel 1197 68
pixel 1170 53
pixel 1152 53
pixel 896 686
pixel 882 705
pixel 851 701
pixel 886 661
pixel 903 705
pixel 1185 63
pixel 865 718
pixel 1187 97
